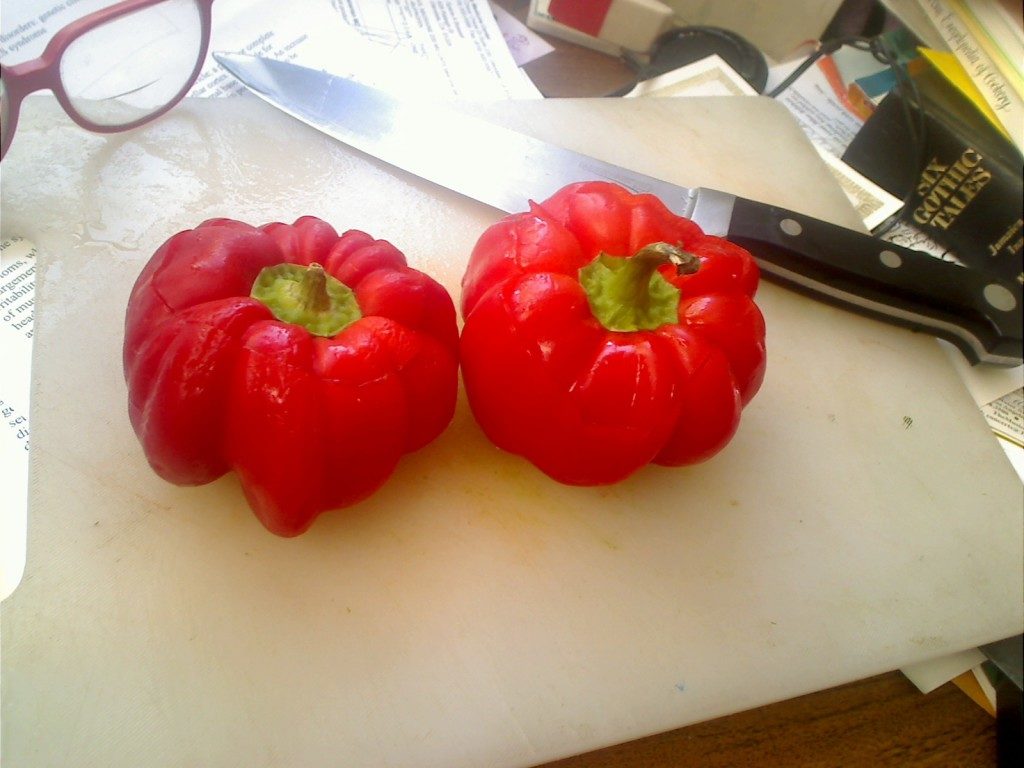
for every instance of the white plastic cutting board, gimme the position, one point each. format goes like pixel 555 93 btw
pixel 473 612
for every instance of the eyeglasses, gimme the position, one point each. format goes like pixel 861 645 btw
pixel 114 69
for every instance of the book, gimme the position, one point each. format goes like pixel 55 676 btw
pixel 962 181
pixel 990 47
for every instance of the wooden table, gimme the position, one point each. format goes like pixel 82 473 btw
pixel 882 721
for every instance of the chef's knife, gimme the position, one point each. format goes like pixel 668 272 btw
pixel 980 314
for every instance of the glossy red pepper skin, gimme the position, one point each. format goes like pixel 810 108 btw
pixel 587 405
pixel 309 423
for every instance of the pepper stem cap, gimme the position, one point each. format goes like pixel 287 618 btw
pixel 307 296
pixel 629 293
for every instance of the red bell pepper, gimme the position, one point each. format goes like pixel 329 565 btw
pixel 602 332
pixel 306 361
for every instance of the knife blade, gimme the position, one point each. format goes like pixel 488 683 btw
pixel 980 314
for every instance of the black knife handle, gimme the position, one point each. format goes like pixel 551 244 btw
pixel 980 314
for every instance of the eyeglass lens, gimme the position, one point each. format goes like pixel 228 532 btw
pixel 134 65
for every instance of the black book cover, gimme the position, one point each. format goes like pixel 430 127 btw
pixel 964 190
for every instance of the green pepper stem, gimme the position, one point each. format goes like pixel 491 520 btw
pixel 630 293
pixel 685 262
pixel 307 296
pixel 313 289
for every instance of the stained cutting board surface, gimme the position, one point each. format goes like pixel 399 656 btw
pixel 473 612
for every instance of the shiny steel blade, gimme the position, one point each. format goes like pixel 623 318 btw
pixel 478 159
pixel 507 170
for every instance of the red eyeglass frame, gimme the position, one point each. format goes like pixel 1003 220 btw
pixel 43 73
